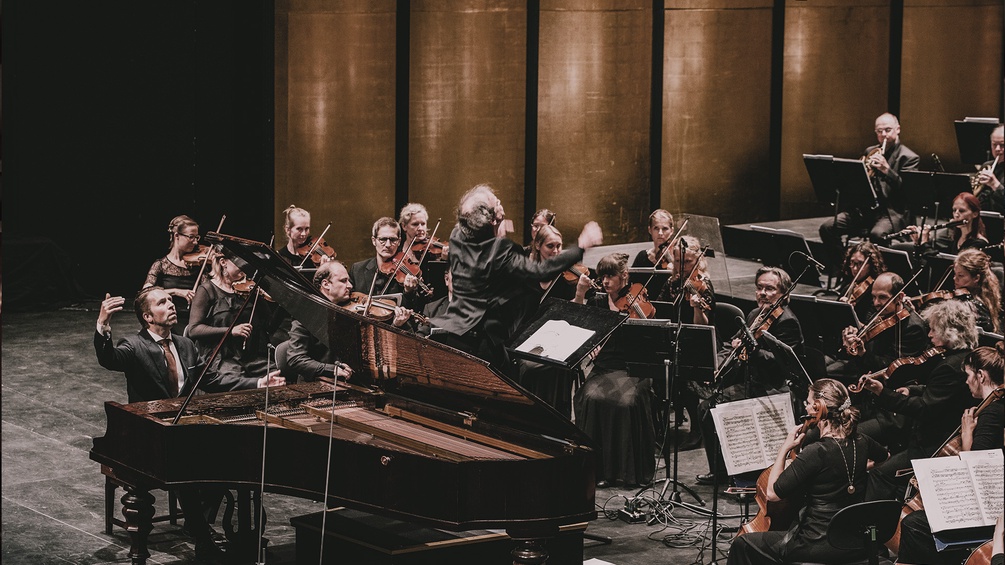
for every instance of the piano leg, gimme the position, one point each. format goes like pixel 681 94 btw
pixel 529 549
pixel 244 537
pixel 138 509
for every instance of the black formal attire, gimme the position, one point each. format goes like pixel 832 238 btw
pixel 934 408
pixel 768 375
pixel 615 410
pixel 821 473
pixel 490 276
pixel 890 214
pixel 296 260
pixel 656 282
pixel 916 542
pixel 213 310
pixel 432 309
pixel 994 200
pixel 308 357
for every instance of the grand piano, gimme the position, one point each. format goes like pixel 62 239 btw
pixel 424 433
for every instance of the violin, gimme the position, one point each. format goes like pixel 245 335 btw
pixel 762 324
pixel 636 303
pixel 778 515
pixel 402 265
pixel 316 249
pixel 381 309
pixel 433 247
pixel 855 291
pixel 885 374
pixel 698 286
pixel 197 257
pixel 578 270
pixel 937 295
pixel 245 287
pixel 874 328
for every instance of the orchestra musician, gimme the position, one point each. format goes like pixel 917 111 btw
pixel 547 243
pixel 831 473
pixel 214 308
pixel 934 406
pixel 886 161
pixel 699 294
pixel 159 365
pixel 862 262
pixel 171 272
pixel 966 208
pixel 297 225
pixel 991 182
pixel 661 228
pixel 985 368
pixel 413 220
pixel 972 271
pixel 378 272
pixel 613 407
pixel 543 217
pixel 767 373
pixel 489 276
pixel 307 356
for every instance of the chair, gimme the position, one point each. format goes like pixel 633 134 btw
pixel 726 325
pixel 867 525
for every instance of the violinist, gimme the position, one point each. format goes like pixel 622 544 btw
pixel 543 217
pixel 613 407
pixel 698 293
pixel 829 473
pixel 863 262
pixel 966 208
pixel 991 176
pixel 414 220
pixel 490 272
pixel 972 271
pixel 172 272
pixel 885 161
pixel 547 243
pixel 985 368
pixel 386 266
pixel 214 308
pixel 935 404
pixel 661 228
pixel 297 225
pixel 767 373
pixel 307 356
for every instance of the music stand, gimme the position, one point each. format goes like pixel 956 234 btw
pixel 783 243
pixel 899 261
pixel 921 188
pixel 973 138
pixel 823 320
pixel 994 225
pixel 842 182
pixel 576 316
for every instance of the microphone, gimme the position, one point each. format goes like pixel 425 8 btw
pixel 809 258
pixel 683 244
pixel 751 340
pixel 938 163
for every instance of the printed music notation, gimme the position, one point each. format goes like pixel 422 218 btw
pixel 751 431
pixel 962 491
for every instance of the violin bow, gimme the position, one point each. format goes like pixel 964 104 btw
pixel 851 285
pixel 430 242
pixel 689 275
pixel 397 265
pixel 209 255
pixel 258 292
pixel 317 241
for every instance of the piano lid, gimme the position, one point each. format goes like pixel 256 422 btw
pixel 396 361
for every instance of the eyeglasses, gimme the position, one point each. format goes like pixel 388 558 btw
pixel 386 240
pixel 195 237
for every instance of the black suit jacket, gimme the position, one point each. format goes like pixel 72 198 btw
pixel 142 360
pixel 767 367
pixel 993 200
pixel 362 273
pixel 889 186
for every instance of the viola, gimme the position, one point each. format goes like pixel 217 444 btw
pixel 937 295
pixel 381 309
pixel 316 249
pixel 778 515
pixel 855 291
pixel 885 374
pixel 635 302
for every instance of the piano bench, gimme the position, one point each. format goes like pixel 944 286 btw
pixel 112 484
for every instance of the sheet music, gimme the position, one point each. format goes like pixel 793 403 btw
pixel 751 431
pixel 556 339
pixel 964 491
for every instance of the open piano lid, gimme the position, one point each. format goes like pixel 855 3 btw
pixel 398 362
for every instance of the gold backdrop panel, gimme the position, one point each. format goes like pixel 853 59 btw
pixel 835 85
pixel 716 109
pixel 593 116
pixel 467 104
pixel 335 66
pixel 952 68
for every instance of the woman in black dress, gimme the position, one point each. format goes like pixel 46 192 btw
pixel 661 228
pixel 613 407
pixel 172 273
pixel 972 271
pixel 830 473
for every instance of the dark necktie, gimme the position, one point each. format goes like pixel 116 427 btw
pixel 171 366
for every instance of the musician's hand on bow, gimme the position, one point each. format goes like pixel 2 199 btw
pixel 241 330
pixel 272 379
pixel 401 315
pixel 874 386
pixel 110 305
pixel 736 343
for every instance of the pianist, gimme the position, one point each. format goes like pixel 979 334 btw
pixel 160 365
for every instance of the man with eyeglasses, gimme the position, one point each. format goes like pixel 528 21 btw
pixel 885 161
pixel 385 237
pixel 991 182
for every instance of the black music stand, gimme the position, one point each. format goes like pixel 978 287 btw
pixel 973 138
pixel 899 261
pixel 782 245
pixel 994 225
pixel 823 320
pixel 921 188
pixel 842 182
pixel 601 322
